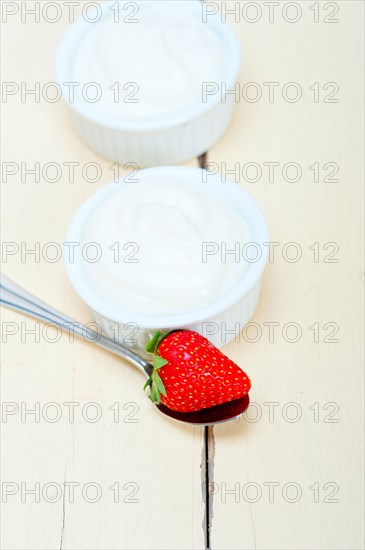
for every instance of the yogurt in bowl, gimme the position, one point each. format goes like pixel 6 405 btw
pixel 162 57
pixel 169 251
pixel 144 88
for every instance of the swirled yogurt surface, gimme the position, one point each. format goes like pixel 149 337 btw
pixel 151 237
pixel 149 64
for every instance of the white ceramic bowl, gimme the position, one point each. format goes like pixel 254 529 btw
pixel 220 321
pixel 169 140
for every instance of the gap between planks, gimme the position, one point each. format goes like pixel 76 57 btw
pixel 207 464
pixel 207 467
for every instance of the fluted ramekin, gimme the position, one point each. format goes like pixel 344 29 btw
pixel 220 321
pixel 170 139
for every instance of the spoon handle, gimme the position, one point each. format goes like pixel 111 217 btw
pixel 14 297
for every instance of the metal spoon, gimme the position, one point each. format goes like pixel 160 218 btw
pixel 14 297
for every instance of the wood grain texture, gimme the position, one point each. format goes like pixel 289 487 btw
pixel 325 445
pixel 158 459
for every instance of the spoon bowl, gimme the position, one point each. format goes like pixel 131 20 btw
pixel 213 415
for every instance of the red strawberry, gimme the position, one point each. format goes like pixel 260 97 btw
pixel 190 374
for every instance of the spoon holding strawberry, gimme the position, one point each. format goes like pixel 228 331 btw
pixel 172 384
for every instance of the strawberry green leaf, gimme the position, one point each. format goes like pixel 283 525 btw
pixel 155 382
pixel 159 362
pixel 159 384
pixel 155 394
pixel 152 344
pixel 148 383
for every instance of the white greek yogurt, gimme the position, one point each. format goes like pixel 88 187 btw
pixel 151 236
pixel 159 58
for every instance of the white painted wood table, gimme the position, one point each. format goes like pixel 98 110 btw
pixel 117 474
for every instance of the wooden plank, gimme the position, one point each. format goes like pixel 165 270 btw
pixel 322 451
pixel 118 450
pixel 153 460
